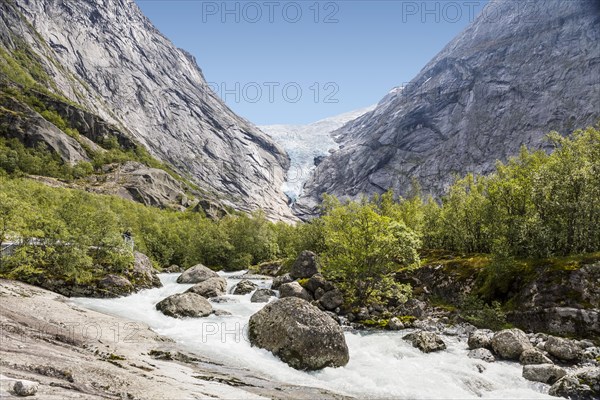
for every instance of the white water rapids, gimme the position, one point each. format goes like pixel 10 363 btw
pixel 382 365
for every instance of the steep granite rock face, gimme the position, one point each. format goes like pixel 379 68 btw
pixel 107 57
pixel 520 70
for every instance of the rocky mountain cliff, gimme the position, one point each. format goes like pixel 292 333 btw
pixel 520 70
pixel 105 58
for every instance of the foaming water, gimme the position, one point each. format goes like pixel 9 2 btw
pixel 382 365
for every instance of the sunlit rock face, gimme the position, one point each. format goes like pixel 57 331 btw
pixel 106 56
pixel 520 70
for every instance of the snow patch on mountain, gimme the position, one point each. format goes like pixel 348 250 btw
pixel 305 144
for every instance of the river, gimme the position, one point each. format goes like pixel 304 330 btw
pixel 382 365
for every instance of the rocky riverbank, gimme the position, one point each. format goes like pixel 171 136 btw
pixel 72 353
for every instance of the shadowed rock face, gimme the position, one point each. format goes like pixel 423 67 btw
pixel 106 56
pixel 520 70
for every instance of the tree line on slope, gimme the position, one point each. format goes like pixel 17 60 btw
pixel 534 206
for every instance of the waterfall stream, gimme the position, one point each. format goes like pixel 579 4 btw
pixel 382 364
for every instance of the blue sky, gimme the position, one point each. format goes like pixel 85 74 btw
pixel 297 62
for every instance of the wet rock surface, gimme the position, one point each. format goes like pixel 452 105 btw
pixel 212 287
pixel 185 305
pixel 427 342
pixel 196 274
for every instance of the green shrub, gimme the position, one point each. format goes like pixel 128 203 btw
pixel 482 315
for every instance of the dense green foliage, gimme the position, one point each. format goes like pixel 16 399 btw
pixel 72 234
pixel 65 235
pixel 482 315
pixel 18 160
pixel 363 247
pixel 536 205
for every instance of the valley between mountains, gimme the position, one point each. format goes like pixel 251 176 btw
pixel 442 243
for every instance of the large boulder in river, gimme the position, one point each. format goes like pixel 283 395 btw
pixel 427 342
pixel 305 266
pixel 480 339
pixel 534 356
pixel 563 349
pixel 196 274
pixel 545 373
pixel 262 296
pixel 116 284
pixel 299 334
pixel 185 305
pixel 144 274
pixel 280 280
pixel 510 343
pixel 294 289
pixel 212 287
pixel 581 385
pixel 244 287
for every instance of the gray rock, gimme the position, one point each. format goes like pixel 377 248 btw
pixel 591 353
pixel 429 324
pixel 394 324
pixel 196 274
pixel 332 299
pixel 221 313
pixel 244 287
pixel 563 349
pixel 138 182
pixel 173 269
pixel 185 305
pixel 481 338
pixel 294 289
pixel 305 266
pixel 25 388
pixel 585 344
pixel 317 281
pixel 482 354
pixel 212 287
pixel 280 280
pixel 545 373
pixel 299 334
pixel 510 343
pixel 144 274
pixel 334 316
pixel 414 307
pixel 533 356
pixel 581 385
pixel 111 281
pixel 362 314
pixel 262 296
pixel 472 104
pixel 427 342
pixel 32 129
pixel 115 283
pixel 319 293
